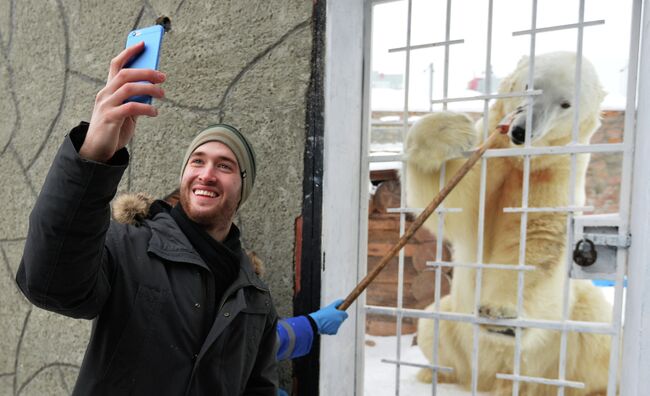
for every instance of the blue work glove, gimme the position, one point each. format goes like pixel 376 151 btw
pixel 282 392
pixel 329 319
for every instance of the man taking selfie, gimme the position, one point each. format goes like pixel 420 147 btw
pixel 177 307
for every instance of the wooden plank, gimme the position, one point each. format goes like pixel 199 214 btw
pixel 383 221
pixel 380 248
pixel 379 175
pixel 386 196
pixel 385 294
pixel 383 325
pixel 389 274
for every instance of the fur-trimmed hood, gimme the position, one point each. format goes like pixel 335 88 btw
pixel 134 209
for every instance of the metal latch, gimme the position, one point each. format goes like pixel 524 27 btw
pixel 596 241
pixel 616 241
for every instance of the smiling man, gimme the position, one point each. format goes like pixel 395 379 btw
pixel 213 184
pixel 177 307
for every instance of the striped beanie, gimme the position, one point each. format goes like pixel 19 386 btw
pixel 239 145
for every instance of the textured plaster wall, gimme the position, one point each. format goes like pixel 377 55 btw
pixel 241 62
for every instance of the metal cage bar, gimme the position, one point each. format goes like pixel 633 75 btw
pixel 481 207
pixel 532 151
pixel 636 210
pixel 572 179
pixel 524 198
pixel 402 215
pixel 362 257
pixel 570 325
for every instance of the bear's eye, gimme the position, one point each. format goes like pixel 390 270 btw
pixel 565 105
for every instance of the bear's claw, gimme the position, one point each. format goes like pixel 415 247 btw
pixel 497 313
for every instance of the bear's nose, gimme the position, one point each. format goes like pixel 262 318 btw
pixel 518 135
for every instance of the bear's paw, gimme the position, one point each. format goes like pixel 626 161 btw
pixel 439 137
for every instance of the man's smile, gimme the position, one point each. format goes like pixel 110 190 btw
pixel 204 193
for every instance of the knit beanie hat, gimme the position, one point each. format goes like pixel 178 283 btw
pixel 239 145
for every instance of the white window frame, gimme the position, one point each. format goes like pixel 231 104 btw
pixel 636 343
pixel 343 228
pixel 345 192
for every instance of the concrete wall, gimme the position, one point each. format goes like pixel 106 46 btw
pixel 241 62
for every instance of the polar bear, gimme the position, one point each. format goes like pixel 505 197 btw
pixel 443 137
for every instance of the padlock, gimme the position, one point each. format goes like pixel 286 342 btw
pixel 585 253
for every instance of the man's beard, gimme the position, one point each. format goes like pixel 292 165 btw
pixel 217 217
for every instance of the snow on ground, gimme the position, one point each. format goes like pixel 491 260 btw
pixel 379 377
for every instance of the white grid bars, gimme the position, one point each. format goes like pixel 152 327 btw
pixel 528 151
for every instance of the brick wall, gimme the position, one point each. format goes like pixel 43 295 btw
pixel 604 172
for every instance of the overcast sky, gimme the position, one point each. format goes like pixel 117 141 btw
pixel 606 45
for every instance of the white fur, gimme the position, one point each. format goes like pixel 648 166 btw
pixel 440 138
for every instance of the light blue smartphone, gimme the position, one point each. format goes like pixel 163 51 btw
pixel 149 57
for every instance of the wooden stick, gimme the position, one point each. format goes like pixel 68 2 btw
pixel 365 282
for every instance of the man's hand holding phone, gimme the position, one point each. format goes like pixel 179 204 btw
pixel 112 123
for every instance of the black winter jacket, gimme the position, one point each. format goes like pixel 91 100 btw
pixel 146 289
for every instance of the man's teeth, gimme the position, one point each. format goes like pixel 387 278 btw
pixel 205 193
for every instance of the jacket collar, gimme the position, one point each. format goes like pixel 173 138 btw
pixel 170 243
